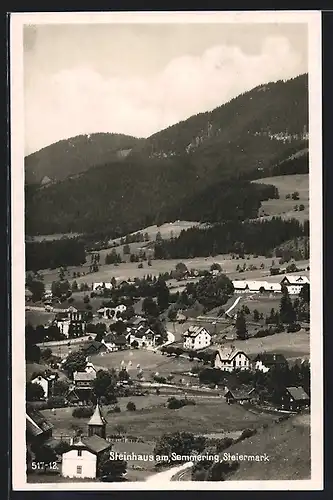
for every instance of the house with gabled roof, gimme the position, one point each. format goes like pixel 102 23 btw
pixel 237 396
pixel 295 398
pixel 85 454
pixel 45 381
pixel 230 358
pixel 114 342
pixel 294 283
pixel 196 337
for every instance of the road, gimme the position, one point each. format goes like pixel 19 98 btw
pixel 233 305
pixel 167 475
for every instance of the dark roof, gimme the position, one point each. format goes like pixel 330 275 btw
pixel 120 340
pixel 37 423
pixel 237 394
pixel 96 444
pixel 93 346
pixel 297 393
pixel 271 358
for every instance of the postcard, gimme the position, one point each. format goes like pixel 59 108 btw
pixel 166 213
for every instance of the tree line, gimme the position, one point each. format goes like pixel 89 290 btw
pixel 258 237
pixel 55 253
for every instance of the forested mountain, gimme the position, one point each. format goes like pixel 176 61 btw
pixel 197 169
pixel 73 156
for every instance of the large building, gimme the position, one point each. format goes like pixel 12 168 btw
pixel 294 284
pixel 249 286
pixel 230 359
pixel 196 337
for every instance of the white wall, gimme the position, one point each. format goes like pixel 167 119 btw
pixel 43 383
pixel 261 367
pixel 71 460
pixel 241 362
pixel 64 327
pixel 200 341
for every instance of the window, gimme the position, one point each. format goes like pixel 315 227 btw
pixel 79 453
pixel 79 469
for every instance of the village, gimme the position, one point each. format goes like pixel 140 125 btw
pixel 104 360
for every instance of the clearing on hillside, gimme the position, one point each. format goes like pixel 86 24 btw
pixel 283 207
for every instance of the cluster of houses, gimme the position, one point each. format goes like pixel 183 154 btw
pixel 294 285
pixel 291 399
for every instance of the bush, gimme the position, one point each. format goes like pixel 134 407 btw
pixel 131 406
pixel 294 327
pixel 247 433
pixel 57 402
pixel 174 403
pixel 83 412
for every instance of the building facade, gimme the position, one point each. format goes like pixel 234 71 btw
pixel 196 338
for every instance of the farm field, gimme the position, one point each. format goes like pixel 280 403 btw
pixel 287 184
pixel 211 415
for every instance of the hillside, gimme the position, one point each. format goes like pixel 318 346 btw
pixel 189 171
pixel 288 446
pixel 248 132
pixel 75 155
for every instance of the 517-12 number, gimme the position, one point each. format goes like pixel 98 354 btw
pixel 44 465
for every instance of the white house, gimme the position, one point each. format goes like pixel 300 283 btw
pixel 196 337
pixel 230 358
pixel 294 284
pixel 112 312
pixel 249 286
pixel 102 286
pixel 45 382
pixel 82 460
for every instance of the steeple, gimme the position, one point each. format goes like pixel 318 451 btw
pixel 97 423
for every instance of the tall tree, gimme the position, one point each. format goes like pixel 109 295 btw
pixel 287 311
pixel 241 329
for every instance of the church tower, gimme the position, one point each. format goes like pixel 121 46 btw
pixel 97 424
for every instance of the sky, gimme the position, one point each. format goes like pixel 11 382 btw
pixel 137 79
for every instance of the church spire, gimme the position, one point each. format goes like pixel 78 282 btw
pixel 97 423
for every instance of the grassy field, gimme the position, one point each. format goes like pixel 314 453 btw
pixel 287 184
pixel 130 270
pixel 288 446
pixel 150 422
pixel 149 362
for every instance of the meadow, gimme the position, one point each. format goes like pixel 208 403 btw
pixel 151 421
pixel 287 184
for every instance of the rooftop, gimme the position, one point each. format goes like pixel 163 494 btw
pixel 194 331
pixel 97 417
pixel 298 393
pixel 84 376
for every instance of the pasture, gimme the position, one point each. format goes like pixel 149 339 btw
pixel 149 362
pixel 210 415
pixel 286 185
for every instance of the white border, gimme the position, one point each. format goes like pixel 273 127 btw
pixel 18 20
